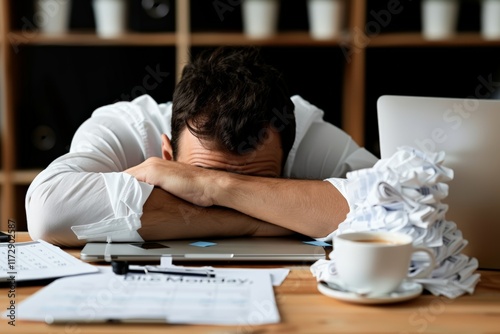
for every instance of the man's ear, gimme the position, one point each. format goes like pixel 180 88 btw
pixel 166 148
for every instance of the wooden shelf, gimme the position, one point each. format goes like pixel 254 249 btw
pixel 299 38
pixel 295 38
pixel 91 39
pixel 416 39
pixel 24 177
pixel 19 177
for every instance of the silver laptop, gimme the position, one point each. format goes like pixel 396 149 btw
pixel 468 131
pixel 295 249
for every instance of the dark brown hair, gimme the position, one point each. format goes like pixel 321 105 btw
pixel 227 96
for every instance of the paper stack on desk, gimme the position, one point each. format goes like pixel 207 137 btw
pixel 403 193
pixel 232 297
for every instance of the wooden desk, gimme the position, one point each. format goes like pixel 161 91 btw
pixel 304 310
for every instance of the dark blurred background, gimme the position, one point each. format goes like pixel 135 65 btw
pixel 62 85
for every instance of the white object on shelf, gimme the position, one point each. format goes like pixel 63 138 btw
pixel 326 18
pixel 490 19
pixel 260 18
pixel 110 17
pixel 439 18
pixel 52 16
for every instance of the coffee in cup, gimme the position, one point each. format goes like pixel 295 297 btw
pixel 376 262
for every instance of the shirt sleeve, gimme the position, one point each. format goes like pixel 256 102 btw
pixel 84 194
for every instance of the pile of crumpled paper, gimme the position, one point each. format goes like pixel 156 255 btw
pixel 404 193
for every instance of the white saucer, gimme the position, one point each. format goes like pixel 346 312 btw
pixel 406 291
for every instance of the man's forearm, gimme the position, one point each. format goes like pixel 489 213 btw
pixel 166 216
pixel 313 208
pixel 310 207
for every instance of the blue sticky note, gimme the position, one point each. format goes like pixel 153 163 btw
pixel 203 244
pixel 318 243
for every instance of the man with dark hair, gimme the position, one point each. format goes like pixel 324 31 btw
pixel 232 98
pixel 231 155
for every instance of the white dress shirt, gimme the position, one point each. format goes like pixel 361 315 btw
pixel 84 194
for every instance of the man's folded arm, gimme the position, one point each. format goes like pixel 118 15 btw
pixel 169 217
pixel 65 202
pixel 74 192
pixel 310 207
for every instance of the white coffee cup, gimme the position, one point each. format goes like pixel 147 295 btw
pixel 439 18
pixel 376 262
pixel 490 19
pixel 326 18
pixel 52 16
pixel 260 18
pixel 110 17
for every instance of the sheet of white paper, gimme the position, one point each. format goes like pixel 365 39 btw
pixel 34 260
pixel 278 275
pixel 232 298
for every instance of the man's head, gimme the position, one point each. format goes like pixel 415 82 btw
pixel 234 105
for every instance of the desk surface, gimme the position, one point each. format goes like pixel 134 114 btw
pixel 304 310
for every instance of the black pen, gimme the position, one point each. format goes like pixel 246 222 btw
pixel 123 268
pixel 4 237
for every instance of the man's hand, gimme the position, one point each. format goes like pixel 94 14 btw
pixel 188 182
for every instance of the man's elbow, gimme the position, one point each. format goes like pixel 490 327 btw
pixel 327 225
pixel 46 222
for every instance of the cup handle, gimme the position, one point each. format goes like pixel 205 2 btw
pixel 431 265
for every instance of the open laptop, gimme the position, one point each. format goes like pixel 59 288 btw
pixel 287 249
pixel 468 131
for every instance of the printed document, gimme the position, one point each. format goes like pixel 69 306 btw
pixel 22 261
pixel 232 298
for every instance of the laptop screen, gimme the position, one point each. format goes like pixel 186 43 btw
pixel 467 130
